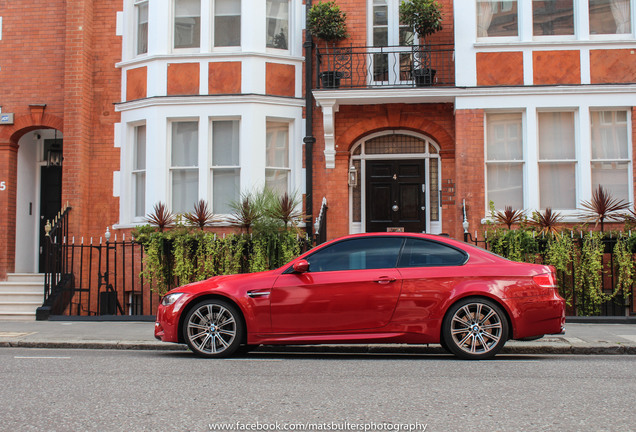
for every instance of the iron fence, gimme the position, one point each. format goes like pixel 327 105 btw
pixel 622 304
pixel 387 66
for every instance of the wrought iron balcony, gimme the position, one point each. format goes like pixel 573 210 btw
pixel 389 66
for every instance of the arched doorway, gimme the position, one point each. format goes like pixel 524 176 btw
pixel 39 195
pixel 395 183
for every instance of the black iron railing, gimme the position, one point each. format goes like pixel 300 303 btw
pixel 622 304
pixel 389 66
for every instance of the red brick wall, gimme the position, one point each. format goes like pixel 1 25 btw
pixel 613 66
pixel 500 68
pixel 469 168
pixel 556 67
pixel 224 78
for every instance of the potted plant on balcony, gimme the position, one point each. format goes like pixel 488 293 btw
pixel 425 18
pixel 327 21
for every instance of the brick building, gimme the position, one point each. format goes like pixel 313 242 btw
pixel 529 104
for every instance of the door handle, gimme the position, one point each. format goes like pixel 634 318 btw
pixel 257 293
pixel 383 280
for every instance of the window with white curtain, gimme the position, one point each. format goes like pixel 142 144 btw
pixel 610 155
pixel 496 18
pixel 139 171
pixel 227 23
pixel 387 30
pixel 557 160
pixel 277 15
pixel 184 165
pixel 551 17
pixel 504 160
pixel 187 24
pixel 277 157
pixel 141 27
pixel 225 165
pixel 610 17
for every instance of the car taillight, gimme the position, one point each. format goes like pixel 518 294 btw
pixel 545 280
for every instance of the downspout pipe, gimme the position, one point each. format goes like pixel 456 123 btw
pixel 309 139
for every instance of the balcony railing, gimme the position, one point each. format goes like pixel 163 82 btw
pixel 389 66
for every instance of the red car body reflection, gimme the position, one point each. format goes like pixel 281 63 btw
pixel 370 288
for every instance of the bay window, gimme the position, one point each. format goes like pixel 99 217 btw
pixel 610 155
pixel 553 18
pixel 496 18
pixel 504 160
pixel 225 165
pixel 184 165
pixel 610 17
pixel 187 24
pixel 227 23
pixel 139 172
pixel 557 160
pixel 277 157
pixel 277 24
pixel 141 27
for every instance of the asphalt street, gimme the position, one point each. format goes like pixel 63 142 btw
pixel 122 390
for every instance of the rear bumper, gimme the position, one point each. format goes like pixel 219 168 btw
pixel 539 316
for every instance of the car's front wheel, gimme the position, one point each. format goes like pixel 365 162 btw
pixel 475 329
pixel 213 328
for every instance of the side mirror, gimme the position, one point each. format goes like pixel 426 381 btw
pixel 301 266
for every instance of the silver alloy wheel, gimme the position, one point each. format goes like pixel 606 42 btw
pixel 476 328
pixel 211 328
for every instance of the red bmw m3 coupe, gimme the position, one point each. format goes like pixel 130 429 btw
pixel 370 288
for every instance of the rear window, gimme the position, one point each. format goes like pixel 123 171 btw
pixel 425 253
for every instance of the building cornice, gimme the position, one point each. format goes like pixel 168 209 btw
pixel 215 56
pixel 209 100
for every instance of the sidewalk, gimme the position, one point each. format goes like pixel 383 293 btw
pixel 579 338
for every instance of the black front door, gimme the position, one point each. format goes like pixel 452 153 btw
pixel 395 197
pixel 50 201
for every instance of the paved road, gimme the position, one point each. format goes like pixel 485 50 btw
pixel 78 390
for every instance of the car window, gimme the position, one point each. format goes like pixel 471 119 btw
pixel 357 254
pixel 425 253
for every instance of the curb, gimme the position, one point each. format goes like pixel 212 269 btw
pixel 329 349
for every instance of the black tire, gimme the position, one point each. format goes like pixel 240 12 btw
pixel 213 328
pixel 475 329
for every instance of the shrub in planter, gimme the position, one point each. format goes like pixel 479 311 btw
pixel 327 22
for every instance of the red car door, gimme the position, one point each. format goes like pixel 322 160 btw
pixel 350 285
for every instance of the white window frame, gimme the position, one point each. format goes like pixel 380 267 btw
pixel 289 123
pixel 171 169
pixel 503 39
pixel 136 7
pixel 611 36
pixel 173 18
pixel 134 172
pixel 213 167
pixel 213 28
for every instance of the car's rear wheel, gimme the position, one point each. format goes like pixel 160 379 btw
pixel 475 329
pixel 213 328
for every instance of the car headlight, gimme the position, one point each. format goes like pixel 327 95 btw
pixel 170 299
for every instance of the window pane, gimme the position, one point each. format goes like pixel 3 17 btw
pixel 613 176
pixel 185 144
pixel 226 189
pixel 610 17
pixel 497 18
pixel 277 180
pixel 225 143
pixel 557 186
pixel 553 17
pixel 609 135
pixel 423 253
pixel 185 190
pixel 357 254
pixel 556 135
pixel 505 185
pixel 187 23
pixel 139 162
pixel 142 28
pixel 227 23
pixel 139 181
pixel 433 188
pixel 277 145
pixel 504 137
pixel 277 23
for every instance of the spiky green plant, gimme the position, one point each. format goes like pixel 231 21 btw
pixel 161 217
pixel 509 216
pixel 201 216
pixel 603 206
pixel 546 221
